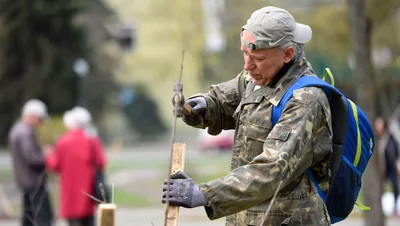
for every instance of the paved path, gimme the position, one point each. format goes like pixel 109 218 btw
pixel 187 217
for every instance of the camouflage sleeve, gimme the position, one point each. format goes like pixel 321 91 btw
pixel 287 152
pixel 222 101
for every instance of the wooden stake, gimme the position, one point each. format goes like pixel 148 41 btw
pixel 178 164
pixel 107 214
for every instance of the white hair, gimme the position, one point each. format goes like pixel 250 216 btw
pixel 69 120
pixel 298 49
pixel 77 117
pixel 82 116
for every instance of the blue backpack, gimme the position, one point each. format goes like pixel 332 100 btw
pixel 353 144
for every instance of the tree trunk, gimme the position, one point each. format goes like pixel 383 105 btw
pixel 361 48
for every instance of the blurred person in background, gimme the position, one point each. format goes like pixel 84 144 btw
pixel 85 118
pixel 74 158
pixel 389 153
pixel 29 165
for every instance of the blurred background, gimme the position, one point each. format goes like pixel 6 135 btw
pixel 120 58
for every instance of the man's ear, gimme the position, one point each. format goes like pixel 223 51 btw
pixel 289 54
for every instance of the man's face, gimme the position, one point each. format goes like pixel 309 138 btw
pixel 34 120
pixel 263 64
pixel 379 126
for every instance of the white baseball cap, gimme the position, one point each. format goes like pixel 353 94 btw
pixel 37 108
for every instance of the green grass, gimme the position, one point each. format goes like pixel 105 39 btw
pixel 117 166
pixel 129 199
pixel 204 161
pixel 208 168
pixel 203 169
pixel 121 198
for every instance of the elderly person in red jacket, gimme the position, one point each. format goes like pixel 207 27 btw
pixel 73 159
pixel 85 118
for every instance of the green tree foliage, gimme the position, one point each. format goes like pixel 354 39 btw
pixel 104 50
pixel 328 38
pixel 164 29
pixel 227 64
pixel 331 30
pixel 39 42
pixel 143 115
pixel 330 45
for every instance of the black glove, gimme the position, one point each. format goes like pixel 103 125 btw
pixel 183 192
pixel 199 106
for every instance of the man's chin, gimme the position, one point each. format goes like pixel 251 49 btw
pixel 258 82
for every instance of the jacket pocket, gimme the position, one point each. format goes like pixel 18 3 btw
pixel 254 140
pixel 280 133
pixel 257 133
pixel 277 137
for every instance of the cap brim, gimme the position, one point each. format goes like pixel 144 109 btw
pixel 303 33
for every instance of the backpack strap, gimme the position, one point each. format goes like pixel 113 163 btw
pixel 304 81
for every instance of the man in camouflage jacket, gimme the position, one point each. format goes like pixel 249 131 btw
pixel 265 155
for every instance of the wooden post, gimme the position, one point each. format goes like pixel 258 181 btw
pixel 107 214
pixel 178 164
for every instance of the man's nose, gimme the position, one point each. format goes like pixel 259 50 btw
pixel 248 64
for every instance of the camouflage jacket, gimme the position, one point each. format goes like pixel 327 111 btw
pixel 263 155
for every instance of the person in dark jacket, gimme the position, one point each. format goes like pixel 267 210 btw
pixel 389 152
pixel 29 165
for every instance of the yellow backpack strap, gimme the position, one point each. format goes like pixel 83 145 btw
pixel 362 207
pixel 328 72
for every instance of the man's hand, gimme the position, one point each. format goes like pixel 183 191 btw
pixel 48 149
pixel 199 106
pixel 183 192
